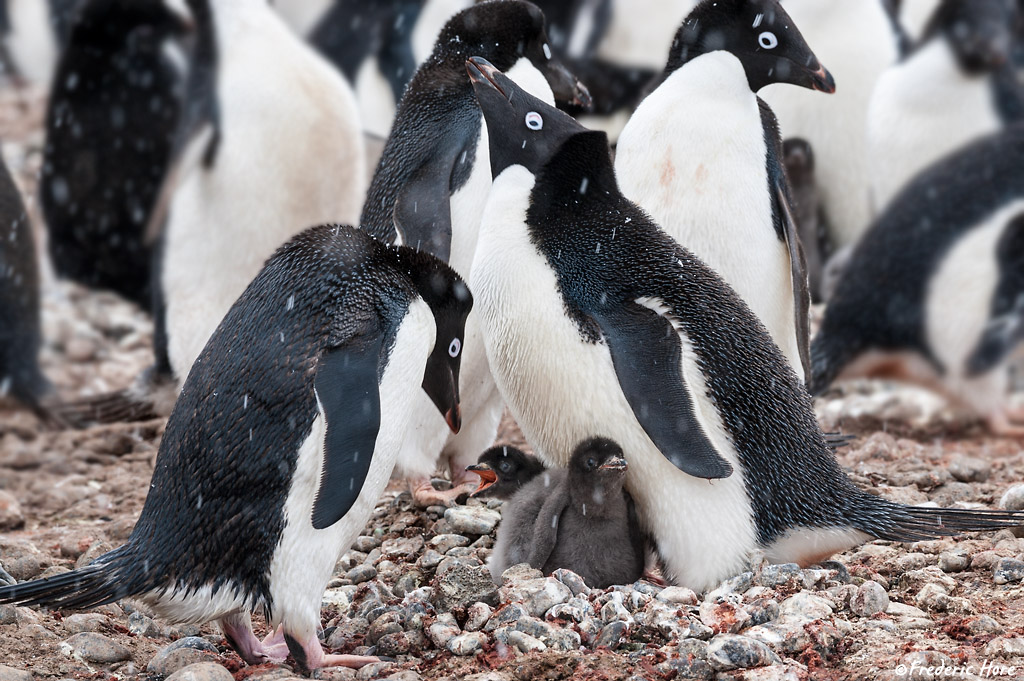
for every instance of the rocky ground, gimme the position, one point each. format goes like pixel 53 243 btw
pixel 414 587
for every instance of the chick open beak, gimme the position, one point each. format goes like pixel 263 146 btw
pixel 487 477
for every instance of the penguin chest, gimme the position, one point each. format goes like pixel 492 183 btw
pixel 705 182
pixel 562 388
pixel 959 308
pixel 305 557
pixel 921 111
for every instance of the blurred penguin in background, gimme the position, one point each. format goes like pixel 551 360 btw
pixel 33 34
pixel 112 116
pixel 958 84
pixel 303 15
pixel 858 40
pixel 934 292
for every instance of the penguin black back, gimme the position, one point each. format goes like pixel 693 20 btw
pixel 883 289
pixel 20 332
pixel 109 130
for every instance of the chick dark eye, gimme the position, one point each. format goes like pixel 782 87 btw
pixel 534 121
pixel 591 463
pixel 454 348
pixel 505 466
pixel 768 40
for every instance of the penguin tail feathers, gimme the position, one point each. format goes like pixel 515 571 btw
pixel 88 587
pixel 914 523
pixel 120 406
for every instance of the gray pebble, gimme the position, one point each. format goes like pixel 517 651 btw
pixel 394 644
pixel 506 616
pixel 870 599
pixel 472 519
pixel 461 586
pixel 805 606
pixel 762 610
pixel 402 547
pixel 405 675
pixel 443 543
pixel 1013 498
pixel 477 616
pixel 361 573
pixel 347 629
pixel 365 543
pixel 201 671
pixel 383 626
pixel 677 594
pixel 571 580
pixel 84 621
pixel 1007 571
pixel 730 651
pixel 12 674
pixel 534 627
pixel 520 572
pixel 985 625
pixel 335 674
pixel 430 559
pixel 140 625
pixel 92 647
pixel 466 644
pixel 524 642
pixel 689 668
pixel 954 560
pixel 540 595
pixel 970 469
pixel 777 575
pixel 611 635
pixel 727 615
pixel 11 515
pixel 181 653
pixel 374 670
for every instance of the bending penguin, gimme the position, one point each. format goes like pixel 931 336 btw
pixel 956 86
pixel 578 518
pixel 702 155
pixel 580 293
pixel 934 293
pixel 429 191
pixel 102 171
pixel 281 443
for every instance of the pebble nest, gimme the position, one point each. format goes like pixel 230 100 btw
pixel 415 587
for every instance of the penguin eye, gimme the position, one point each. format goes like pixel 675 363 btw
pixel 505 466
pixel 591 463
pixel 767 40
pixel 454 348
pixel 534 121
pixel 547 51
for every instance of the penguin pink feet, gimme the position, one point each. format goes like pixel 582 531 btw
pixel 237 630
pixel 424 494
pixel 310 655
pixel 1002 423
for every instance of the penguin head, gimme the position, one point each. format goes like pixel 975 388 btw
pixel 522 129
pixel 503 32
pixel 503 470
pixel 798 157
pixel 597 469
pixel 981 33
pixel 760 34
pixel 450 301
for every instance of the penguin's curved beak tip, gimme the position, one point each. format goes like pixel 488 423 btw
pixel 487 477
pixel 823 80
pixel 482 73
pixel 453 417
pixel 616 463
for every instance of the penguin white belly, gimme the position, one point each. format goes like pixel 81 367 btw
pixel 305 557
pixel 562 390
pixel 434 15
pixel 377 105
pixel 32 42
pixel 959 305
pixel 479 396
pixel 855 41
pixel 291 156
pixel 706 184
pixel 641 31
pixel 922 110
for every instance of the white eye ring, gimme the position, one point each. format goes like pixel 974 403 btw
pixel 454 347
pixel 767 40
pixel 534 121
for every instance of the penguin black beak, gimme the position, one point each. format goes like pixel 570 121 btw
pixel 483 74
pixel 616 463
pixel 487 477
pixel 566 88
pixel 822 81
pixel 453 417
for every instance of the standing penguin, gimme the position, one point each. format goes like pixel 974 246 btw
pixel 934 292
pixel 277 148
pixel 858 39
pixel 578 518
pixel 503 470
pixel 702 155
pixel 110 124
pixel 956 86
pixel 580 293
pixel 20 332
pixel 429 192
pixel 281 443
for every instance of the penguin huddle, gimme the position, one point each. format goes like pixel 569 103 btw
pixel 643 317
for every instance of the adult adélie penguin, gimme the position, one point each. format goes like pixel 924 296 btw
pixel 283 438
pixel 580 293
pixel 429 191
pixel 702 155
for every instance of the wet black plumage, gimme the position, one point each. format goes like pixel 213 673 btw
pixel 109 129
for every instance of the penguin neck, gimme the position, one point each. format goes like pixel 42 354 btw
pixel 579 176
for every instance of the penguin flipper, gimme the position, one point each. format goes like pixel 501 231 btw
pixel 647 355
pixel 422 213
pixel 346 386
pixel 545 527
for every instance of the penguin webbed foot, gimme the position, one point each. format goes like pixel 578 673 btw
pixel 424 494
pixel 1007 423
pixel 237 629
pixel 309 656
